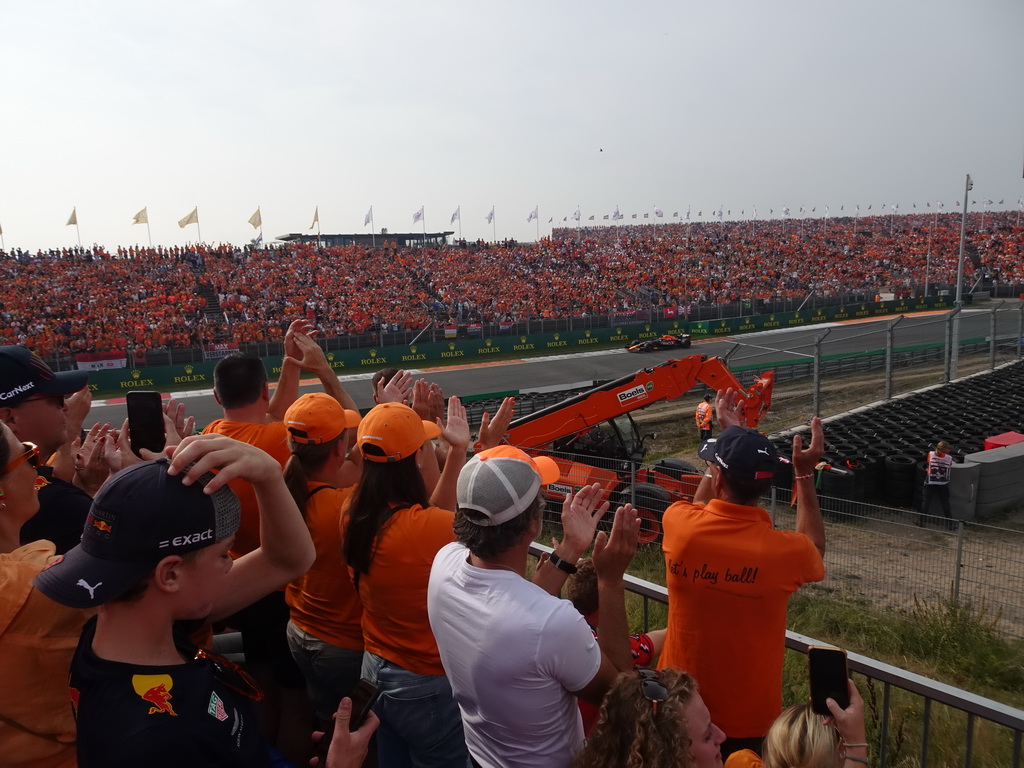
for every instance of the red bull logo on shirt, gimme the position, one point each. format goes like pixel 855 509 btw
pixel 155 689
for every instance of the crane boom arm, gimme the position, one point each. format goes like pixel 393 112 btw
pixel 665 381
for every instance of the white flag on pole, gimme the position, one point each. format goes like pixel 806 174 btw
pixel 687 214
pixel 490 216
pixel 256 220
pixel 418 216
pixel 577 214
pixel 658 212
pixel 719 213
pixel 785 212
pixel 616 215
pixel 369 217
pixel 316 218
pixel 457 216
pixel 533 214
pixel 192 218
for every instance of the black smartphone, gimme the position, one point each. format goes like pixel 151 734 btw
pixel 145 421
pixel 363 696
pixel 829 674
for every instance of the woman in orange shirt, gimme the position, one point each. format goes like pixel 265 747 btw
pixel 325 634
pixel 399 517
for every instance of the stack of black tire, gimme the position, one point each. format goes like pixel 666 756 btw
pixel 878 455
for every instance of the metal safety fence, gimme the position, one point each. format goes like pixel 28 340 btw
pixel 894 559
pixel 912 720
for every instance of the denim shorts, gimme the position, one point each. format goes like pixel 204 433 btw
pixel 420 722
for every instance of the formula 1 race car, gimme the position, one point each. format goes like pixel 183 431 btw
pixel 665 341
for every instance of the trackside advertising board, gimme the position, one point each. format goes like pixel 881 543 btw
pixel 199 375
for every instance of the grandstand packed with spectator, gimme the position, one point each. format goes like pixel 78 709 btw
pixel 71 300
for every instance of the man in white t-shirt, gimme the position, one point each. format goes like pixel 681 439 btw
pixel 515 654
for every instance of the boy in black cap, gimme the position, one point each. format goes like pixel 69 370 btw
pixel 154 559
pixel 730 573
pixel 32 404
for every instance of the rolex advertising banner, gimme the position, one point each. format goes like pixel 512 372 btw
pixel 199 376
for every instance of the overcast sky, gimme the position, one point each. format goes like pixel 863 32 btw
pixel 230 105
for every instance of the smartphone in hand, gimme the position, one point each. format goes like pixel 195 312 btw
pixel 363 697
pixel 828 674
pixel 145 421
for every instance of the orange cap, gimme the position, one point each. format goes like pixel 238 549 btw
pixel 318 418
pixel 392 432
pixel 545 466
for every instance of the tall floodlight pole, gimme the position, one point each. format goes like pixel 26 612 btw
pixel 954 352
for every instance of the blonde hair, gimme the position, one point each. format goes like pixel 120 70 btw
pixel 798 739
pixel 634 733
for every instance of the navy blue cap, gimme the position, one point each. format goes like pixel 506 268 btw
pixel 23 375
pixel 741 452
pixel 140 516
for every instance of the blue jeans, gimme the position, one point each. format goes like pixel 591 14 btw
pixel 331 671
pixel 420 722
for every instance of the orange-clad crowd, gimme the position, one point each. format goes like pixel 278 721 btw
pixel 91 300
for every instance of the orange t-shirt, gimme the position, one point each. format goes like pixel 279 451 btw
pixel 394 592
pixel 271 438
pixel 323 601
pixel 38 637
pixel 729 576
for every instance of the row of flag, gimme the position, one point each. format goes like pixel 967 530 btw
pixel 256 220
pixel 142 217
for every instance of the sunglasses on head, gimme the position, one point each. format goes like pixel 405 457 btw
pixel 651 687
pixel 232 675
pixel 30 454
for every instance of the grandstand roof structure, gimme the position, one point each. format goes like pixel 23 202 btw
pixel 377 239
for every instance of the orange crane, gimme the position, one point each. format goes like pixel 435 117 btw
pixel 593 437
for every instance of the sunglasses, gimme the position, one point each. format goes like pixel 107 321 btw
pixel 652 688
pixel 52 399
pixel 232 675
pixel 31 455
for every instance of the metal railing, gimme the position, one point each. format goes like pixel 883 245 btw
pixel 893 717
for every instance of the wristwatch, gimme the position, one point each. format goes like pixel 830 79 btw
pixel 563 565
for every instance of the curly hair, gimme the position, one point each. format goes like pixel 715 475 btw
pixel 797 739
pixel 634 733
pixel 581 587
